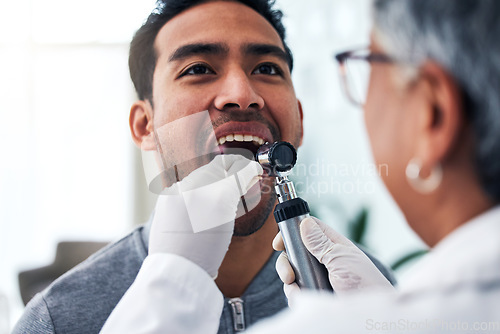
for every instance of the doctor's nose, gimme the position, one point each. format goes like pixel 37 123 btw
pixel 237 91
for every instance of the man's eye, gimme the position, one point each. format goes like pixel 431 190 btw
pixel 267 69
pixel 198 69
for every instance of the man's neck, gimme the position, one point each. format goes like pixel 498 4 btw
pixel 245 258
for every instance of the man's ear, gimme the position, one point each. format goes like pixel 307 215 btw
pixel 301 113
pixel 442 118
pixel 141 125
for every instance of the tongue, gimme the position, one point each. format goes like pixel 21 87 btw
pixel 246 149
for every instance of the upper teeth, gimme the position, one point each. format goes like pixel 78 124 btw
pixel 242 138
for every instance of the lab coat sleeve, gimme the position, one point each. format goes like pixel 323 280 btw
pixel 169 295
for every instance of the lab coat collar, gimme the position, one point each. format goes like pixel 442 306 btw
pixel 469 254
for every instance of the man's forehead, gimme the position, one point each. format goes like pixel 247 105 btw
pixel 224 22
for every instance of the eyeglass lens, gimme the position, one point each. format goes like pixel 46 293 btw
pixel 357 80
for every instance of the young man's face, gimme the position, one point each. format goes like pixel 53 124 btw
pixel 224 58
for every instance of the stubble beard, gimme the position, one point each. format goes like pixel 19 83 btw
pixel 253 221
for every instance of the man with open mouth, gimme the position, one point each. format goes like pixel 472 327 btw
pixel 228 59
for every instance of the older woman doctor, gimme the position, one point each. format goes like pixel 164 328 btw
pixel 432 112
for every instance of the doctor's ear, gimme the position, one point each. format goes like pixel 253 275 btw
pixel 141 125
pixel 442 121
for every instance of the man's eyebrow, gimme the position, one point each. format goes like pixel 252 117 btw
pixel 265 49
pixel 197 49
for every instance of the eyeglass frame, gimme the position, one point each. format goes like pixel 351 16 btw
pixel 370 57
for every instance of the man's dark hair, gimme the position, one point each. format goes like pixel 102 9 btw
pixel 142 58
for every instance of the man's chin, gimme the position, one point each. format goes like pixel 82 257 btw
pixel 254 219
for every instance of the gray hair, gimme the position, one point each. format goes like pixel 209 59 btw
pixel 462 36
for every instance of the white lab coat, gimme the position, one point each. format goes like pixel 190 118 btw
pixel 455 288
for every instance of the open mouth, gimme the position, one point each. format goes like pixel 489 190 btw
pixel 243 144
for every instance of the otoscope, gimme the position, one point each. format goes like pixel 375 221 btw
pixel 278 159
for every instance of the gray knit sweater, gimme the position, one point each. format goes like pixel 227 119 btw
pixel 81 300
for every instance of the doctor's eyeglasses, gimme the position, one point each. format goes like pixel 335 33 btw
pixel 355 68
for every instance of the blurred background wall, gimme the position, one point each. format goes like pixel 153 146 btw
pixel 69 170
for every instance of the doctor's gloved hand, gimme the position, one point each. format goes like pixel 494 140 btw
pixel 192 227
pixel 194 218
pixel 349 269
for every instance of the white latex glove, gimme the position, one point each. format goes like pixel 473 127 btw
pixel 348 267
pixel 194 218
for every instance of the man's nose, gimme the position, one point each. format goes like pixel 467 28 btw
pixel 237 91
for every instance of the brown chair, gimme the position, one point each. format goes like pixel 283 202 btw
pixel 68 255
